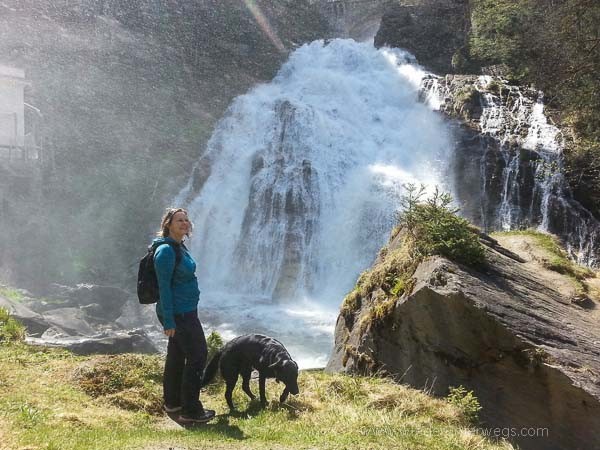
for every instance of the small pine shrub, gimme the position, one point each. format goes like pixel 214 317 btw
pixel 435 229
pixel 214 342
pixel 466 401
pixel 428 228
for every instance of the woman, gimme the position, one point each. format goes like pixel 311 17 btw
pixel 177 310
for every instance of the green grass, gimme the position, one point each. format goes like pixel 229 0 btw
pixel 44 404
pixel 10 329
pixel 11 293
pixel 556 258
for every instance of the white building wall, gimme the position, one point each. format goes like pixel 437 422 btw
pixel 12 109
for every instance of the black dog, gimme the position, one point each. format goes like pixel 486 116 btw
pixel 253 351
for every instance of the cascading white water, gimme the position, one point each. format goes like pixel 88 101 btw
pixel 506 122
pixel 305 178
pixel 522 122
pixel 519 165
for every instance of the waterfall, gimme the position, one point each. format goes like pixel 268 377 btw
pixel 519 124
pixel 301 180
pixel 305 178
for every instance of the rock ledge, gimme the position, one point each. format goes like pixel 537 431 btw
pixel 508 332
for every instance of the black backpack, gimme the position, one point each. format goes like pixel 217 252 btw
pixel 147 283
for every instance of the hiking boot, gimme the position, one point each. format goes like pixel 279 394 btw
pixel 198 417
pixel 171 409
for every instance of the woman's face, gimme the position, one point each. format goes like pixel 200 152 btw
pixel 180 225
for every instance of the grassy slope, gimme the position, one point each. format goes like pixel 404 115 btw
pixel 43 405
pixel 551 255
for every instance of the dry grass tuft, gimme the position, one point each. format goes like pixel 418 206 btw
pixel 131 382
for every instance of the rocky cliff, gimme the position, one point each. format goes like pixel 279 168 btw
pixel 435 31
pixel 515 332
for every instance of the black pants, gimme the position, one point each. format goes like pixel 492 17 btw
pixel 186 358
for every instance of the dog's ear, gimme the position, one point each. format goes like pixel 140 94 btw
pixel 275 364
pixel 290 364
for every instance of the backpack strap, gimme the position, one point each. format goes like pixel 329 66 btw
pixel 176 248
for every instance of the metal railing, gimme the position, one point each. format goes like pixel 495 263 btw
pixel 31 148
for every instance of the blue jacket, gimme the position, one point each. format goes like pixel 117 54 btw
pixel 178 291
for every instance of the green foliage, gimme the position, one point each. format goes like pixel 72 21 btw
pixel 11 293
pixel 403 283
pixel 10 329
pixel 427 227
pixel 583 173
pixel 497 35
pixel 435 229
pixel 466 401
pixel 392 276
pixel 214 342
pixel 26 414
pixel 383 309
pixel 352 302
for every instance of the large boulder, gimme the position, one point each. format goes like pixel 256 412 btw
pixel 514 332
pixel 135 341
pixel 71 321
pixel 135 315
pixel 103 302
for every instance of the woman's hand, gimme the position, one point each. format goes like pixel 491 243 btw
pixel 170 332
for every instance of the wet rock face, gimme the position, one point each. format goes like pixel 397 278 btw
pixel 284 190
pixel 507 167
pixel 358 20
pixel 530 355
pixel 434 31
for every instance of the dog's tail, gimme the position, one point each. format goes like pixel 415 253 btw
pixel 211 369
